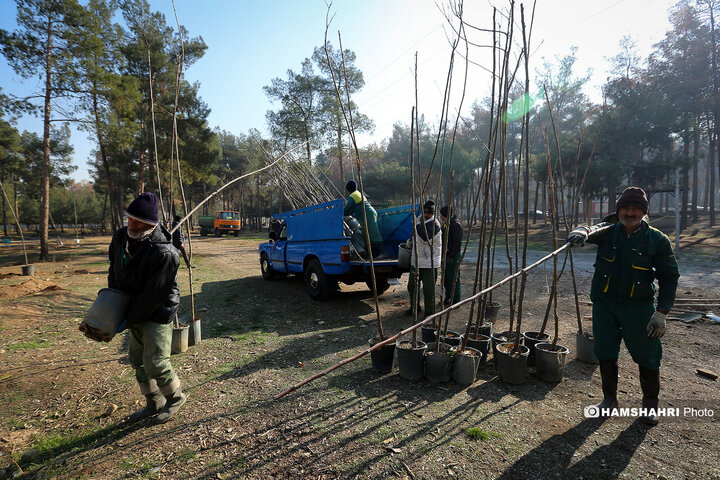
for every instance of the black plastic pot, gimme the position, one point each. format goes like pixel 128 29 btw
pixel 496 339
pixel 411 361
pixel 381 358
pixel 465 365
pixel 451 338
pixel 480 343
pixel 427 333
pixel 491 312
pixel 485 329
pixel 529 339
pixel 438 365
pixel 585 346
pixel 550 362
pixel 512 367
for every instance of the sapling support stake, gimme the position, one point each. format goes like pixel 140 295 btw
pixel 347 115
pixel 577 303
pixel 17 222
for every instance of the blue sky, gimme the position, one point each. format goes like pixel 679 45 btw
pixel 250 42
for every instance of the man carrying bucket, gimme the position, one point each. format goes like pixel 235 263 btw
pixel 144 264
pixel 631 255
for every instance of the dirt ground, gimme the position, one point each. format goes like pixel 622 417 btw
pixel 63 397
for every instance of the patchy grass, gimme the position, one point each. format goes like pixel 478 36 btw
pixel 31 344
pixel 477 433
pixel 55 444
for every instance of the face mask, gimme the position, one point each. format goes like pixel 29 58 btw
pixel 142 235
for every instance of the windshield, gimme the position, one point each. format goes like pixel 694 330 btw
pixel 230 216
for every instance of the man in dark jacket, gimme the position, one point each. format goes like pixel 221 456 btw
pixel 454 231
pixel 144 264
pixel 631 255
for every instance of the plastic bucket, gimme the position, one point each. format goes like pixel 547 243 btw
pixel 195 333
pixel 550 362
pixel 585 348
pixel 411 361
pixel 403 256
pixel 465 366
pixel 106 314
pixel 180 339
pixel 382 358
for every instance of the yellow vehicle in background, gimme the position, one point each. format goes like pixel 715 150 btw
pixel 224 221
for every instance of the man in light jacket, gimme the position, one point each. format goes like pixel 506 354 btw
pixel 425 259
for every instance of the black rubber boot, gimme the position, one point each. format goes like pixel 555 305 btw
pixel 650 384
pixel 609 376
pixel 155 403
pixel 173 402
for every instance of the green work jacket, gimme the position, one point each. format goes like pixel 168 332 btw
pixel 353 207
pixel 627 266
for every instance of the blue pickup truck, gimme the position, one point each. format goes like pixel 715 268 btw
pixel 321 244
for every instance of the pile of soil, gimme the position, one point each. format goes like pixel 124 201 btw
pixel 29 287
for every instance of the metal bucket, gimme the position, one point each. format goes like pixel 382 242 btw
pixel 403 256
pixel 105 315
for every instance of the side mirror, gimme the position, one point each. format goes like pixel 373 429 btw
pixel 273 236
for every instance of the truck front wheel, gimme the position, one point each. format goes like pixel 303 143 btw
pixel 217 232
pixel 315 280
pixel 381 283
pixel 267 272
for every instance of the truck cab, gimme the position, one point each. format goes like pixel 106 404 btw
pixel 224 221
pixel 317 242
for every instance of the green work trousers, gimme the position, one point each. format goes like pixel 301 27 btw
pixel 616 321
pixel 149 352
pixel 452 276
pixel 428 277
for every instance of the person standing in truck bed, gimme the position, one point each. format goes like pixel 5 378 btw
pixel 354 207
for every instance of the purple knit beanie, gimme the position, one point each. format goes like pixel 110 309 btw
pixel 144 208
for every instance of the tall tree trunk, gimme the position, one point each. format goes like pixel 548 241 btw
pixel 115 216
pixel 45 176
pixel 711 167
pixel 15 204
pixel 537 188
pixel 716 114
pixel 685 179
pixel 695 161
pixel 612 195
pixel 2 177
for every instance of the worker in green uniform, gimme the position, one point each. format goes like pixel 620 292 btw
pixel 631 255
pixel 354 207
pixel 453 242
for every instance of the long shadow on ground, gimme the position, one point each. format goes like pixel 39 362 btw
pixel 551 459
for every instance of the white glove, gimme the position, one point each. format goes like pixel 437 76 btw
pixel 579 235
pixel 656 325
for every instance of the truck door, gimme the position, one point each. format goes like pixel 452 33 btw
pixel 277 254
